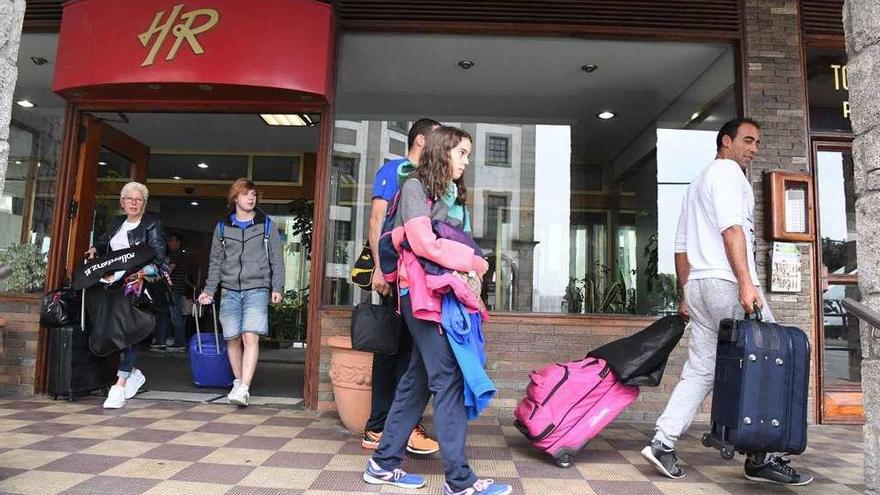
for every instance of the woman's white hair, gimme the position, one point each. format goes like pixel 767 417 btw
pixel 135 186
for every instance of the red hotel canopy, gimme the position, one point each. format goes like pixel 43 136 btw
pixel 234 51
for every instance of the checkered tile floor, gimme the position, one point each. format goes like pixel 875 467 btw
pixel 175 448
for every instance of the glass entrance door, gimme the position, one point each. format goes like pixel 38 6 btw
pixel 839 341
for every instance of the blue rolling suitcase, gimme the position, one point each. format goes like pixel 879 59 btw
pixel 759 402
pixel 207 356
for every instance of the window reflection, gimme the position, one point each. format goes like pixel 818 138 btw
pixel 575 215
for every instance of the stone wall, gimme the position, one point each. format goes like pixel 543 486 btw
pixel 775 98
pixel 18 343
pixel 516 345
pixel 11 18
pixel 861 20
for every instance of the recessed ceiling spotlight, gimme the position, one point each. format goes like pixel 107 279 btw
pixel 39 60
pixel 18 162
pixel 26 103
pixel 176 177
pixel 589 68
pixel 206 87
pixel 102 163
pixel 295 119
pixel 194 203
pixel 465 64
pixel 695 115
pixel 202 165
pixel 606 115
pixel 154 87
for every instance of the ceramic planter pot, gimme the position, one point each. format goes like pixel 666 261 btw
pixel 351 378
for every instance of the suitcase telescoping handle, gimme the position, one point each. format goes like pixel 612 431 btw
pixel 198 331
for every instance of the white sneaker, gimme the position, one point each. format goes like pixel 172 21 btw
pixel 115 398
pixel 134 383
pixel 239 396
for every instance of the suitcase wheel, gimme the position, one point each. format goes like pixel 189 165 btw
pixel 54 396
pixel 727 453
pixel 564 460
pixel 707 442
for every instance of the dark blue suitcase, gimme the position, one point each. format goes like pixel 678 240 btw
pixel 759 403
pixel 208 360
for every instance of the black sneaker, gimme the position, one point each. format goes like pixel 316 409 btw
pixel 663 458
pixel 775 470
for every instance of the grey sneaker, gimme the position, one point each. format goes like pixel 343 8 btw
pixel 775 469
pixel 663 458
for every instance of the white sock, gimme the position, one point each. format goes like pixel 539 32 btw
pixel 236 383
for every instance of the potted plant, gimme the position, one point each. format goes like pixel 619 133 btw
pixel 288 318
pixel 25 266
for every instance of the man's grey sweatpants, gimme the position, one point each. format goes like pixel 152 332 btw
pixel 709 301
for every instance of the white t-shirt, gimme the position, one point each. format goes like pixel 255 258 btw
pixel 120 239
pixel 719 198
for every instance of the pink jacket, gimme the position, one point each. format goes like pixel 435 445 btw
pixel 426 291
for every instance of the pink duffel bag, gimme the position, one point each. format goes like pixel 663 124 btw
pixel 567 404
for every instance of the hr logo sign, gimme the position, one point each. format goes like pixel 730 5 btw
pixel 182 30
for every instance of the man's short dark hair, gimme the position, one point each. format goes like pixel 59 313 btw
pixel 175 235
pixel 421 126
pixel 731 127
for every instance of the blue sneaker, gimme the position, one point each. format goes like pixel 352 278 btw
pixel 481 487
pixel 375 475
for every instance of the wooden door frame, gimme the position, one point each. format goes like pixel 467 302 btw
pixel 818 143
pixel 68 172
pixel 97 134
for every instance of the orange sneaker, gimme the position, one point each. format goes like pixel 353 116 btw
pixel 420 443
pixel 371 440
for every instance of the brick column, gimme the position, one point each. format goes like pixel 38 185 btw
pixel 11 18
pixel 861 20
pixel 775 98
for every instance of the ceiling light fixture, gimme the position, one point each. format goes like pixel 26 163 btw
pixel 177 177
pixel 154 87
pixel 18 162
pixel 465 64
pixel 589 68
pixel 39 60
pixel 202 165
pixel 695 115
pixel 194 203
pixel 102 163
pixel 606 115
pixel 26 103
pixel 295 119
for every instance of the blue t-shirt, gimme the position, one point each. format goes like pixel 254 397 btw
pixel 242 224
pixel 385 186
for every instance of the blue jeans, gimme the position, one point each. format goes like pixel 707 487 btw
pixel 432 369
pixel 126 362
pixel 244 311
pixel 174 319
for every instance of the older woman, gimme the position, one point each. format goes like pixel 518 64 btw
pixel 135 227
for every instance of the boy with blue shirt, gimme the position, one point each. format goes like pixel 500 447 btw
pixel 388 368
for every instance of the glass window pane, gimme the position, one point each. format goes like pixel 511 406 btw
pixel 581 210
pixel 27 202
pixel 837 219
pixel 842 357
pixel 112 165
pixel 197 167
pixel 277 168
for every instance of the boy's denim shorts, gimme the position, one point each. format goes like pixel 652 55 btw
pixel 244 311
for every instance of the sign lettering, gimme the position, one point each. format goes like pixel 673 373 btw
pixel 841 84
pixel 184 30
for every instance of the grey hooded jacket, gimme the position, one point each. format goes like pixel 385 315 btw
pixel 240 262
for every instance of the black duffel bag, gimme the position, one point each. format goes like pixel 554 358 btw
pixel 376 327
pixel 61 308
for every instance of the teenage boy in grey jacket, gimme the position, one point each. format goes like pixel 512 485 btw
pixel 248 264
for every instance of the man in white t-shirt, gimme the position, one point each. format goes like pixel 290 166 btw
pixel 715 266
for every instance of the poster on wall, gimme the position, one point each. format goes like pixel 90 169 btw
pixel 785 268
